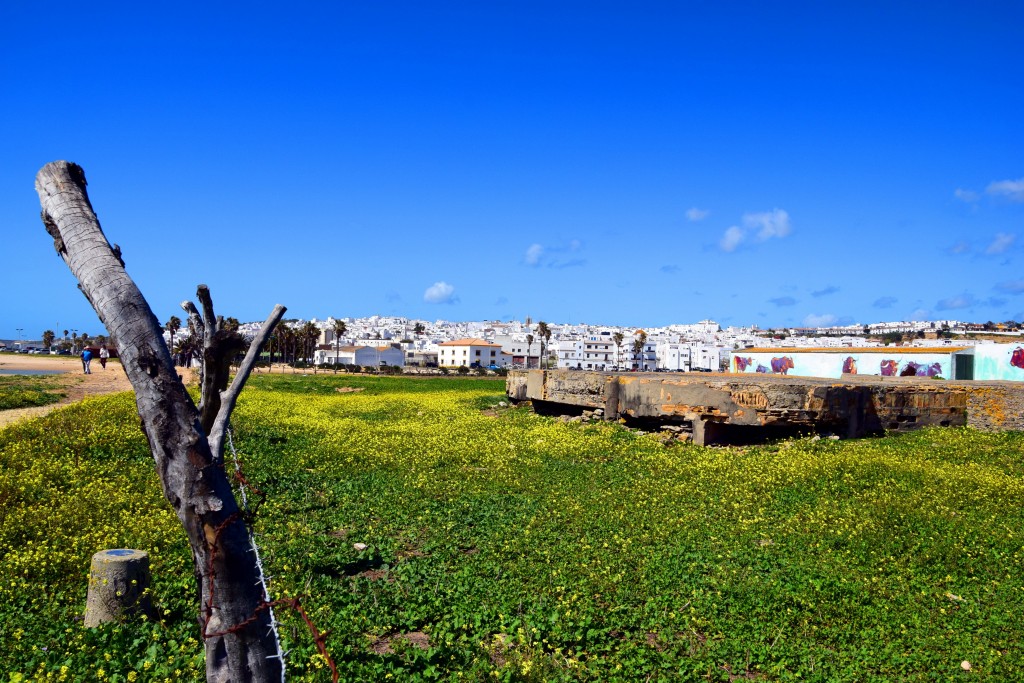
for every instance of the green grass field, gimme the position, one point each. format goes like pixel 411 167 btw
pixel 27 391
pixel 505 546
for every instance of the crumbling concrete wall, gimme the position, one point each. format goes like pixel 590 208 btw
pixel 996 406
pixel 712 406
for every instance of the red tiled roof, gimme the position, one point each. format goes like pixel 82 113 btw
pixel 471 341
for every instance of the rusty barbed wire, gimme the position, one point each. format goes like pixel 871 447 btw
pixel 266 604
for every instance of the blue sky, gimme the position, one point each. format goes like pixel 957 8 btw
pixel 622 163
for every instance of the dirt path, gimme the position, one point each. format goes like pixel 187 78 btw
pixel 74 383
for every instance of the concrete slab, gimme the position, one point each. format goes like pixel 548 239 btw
pixel 728 408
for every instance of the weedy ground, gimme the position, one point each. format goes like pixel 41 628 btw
pixel 439 536
pixel 21 391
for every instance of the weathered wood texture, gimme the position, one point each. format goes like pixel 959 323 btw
pixel 233 619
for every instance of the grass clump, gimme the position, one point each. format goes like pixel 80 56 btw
pixel 17 391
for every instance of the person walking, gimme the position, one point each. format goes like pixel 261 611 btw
pixel 104 355
pixel 86 359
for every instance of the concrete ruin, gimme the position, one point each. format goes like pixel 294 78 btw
pixel 735 409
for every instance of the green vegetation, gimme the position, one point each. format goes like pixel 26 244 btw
pixel 514 547
pixel 26 391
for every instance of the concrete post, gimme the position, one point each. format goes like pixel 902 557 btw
pixel 611 397
pixel 118 586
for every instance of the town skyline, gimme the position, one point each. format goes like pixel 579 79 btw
pixel 395 328
pixel 794 166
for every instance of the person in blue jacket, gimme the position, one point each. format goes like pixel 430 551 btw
pixel 86 357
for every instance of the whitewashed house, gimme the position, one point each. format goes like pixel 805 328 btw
pixel 646 360
pixel 674 357
pixel 569 354
pixel 707 358
pixel 522 355
pixel 471 352
pixel 371 356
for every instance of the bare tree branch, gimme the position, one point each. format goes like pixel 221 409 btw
pixel 215 371
pixel 195 321
pixel 203 294
pixel 229 397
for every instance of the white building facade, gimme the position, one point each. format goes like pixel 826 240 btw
pixel 471 352
pixel 366 356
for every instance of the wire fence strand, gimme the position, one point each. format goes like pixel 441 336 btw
pixel 246 491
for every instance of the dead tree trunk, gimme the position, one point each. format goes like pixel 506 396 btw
pixel 233 615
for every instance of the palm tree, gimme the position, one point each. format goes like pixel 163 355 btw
pixel 419 328
pixel 293 345
pixel 283 334
pixel 617 338
pixel 74 342
pixel 310 334
pixel 172 325
pixel 638 347
pixel 529 346
pixel 48 337
pixel 271 340
pixel 545 336
pixel 339 328
pixel 186 349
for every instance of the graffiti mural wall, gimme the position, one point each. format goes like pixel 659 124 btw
pixel 897 362
pixel 999 361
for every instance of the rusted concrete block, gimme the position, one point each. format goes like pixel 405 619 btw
pixel 714 406
pixel 515 386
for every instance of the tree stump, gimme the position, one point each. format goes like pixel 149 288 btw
pixel 118 586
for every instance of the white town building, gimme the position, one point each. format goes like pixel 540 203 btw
pixel 471 352
pixel 366 356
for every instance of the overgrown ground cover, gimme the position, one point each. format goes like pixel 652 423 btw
pixel 26 391
pixel 509 546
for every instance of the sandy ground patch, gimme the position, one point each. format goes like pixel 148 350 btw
pixel 74 383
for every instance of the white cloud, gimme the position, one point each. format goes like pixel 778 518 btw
pixel 1001 243
pixel 731 239
pixel 825 291
pixel 920 314
pixel 769 224
pixel 763 226
pixel 956 302
pixel 1011 189
pixel 963 195
pixel 823 320
pixel 885 302
pixel 440 293
pixel 694 214
pixel 539 256
pixel 533 255
pixel 1011 286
